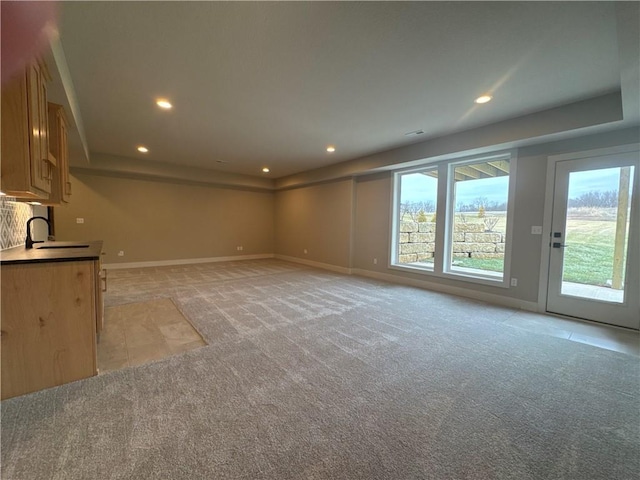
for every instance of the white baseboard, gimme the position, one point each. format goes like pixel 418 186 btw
pixel 461 292
pixel 185 261
pixel 311 263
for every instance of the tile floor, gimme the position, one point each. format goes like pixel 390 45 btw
pixel 138 333
pixel 595 334
pixel 592 291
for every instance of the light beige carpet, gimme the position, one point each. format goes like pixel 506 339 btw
pixel 314 375
pixel 141 332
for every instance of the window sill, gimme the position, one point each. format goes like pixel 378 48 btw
pixel 416 267
pixel 468 275
pixel 473 275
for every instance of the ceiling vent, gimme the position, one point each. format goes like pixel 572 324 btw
pixel 415 133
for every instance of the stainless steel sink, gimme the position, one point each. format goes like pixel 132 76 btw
pixel 62 246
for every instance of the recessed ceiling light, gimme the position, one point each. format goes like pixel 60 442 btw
pixel 143 149
pixel 265 170
pixel 483 99
pixel 164 103
pixel 331 149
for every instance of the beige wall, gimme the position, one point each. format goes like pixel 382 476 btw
pixel 157 221
pixel 373 222
pixel 373 218
pixel 316 218
pixel 343 223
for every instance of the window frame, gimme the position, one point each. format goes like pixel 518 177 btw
pixel 396 220
pixel 445 214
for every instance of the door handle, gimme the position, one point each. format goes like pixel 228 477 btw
pixel 558 245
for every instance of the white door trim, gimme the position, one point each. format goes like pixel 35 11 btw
pixel 545 251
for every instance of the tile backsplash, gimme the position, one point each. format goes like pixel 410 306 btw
pixel 13 221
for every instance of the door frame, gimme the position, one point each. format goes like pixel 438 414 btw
pixel 545 251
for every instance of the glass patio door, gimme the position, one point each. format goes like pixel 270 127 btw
pixel 594 265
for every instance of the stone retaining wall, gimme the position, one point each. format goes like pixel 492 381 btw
pixel 417 241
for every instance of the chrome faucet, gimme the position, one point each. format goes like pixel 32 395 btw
pixel 29 241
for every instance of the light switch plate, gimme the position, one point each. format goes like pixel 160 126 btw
pixel 536 230
pixel 79 220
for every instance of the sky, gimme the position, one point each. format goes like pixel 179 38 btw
pixel 594 180
pixel 417 187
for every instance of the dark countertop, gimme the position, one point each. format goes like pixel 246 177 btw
pixel 37 254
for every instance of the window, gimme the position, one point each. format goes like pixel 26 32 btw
pixel 453 218
pixel 416 232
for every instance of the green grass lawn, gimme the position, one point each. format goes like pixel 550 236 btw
pixel 489 264
pixel 588 257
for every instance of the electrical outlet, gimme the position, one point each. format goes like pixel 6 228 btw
pixel 375 261
pixel 79 220
pixel 536 230
pixel 121 253
pixel 305 251
pixel 514 282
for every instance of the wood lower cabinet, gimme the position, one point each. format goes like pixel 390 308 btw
pixel 27 167
pixel 50 314
pixel 101 287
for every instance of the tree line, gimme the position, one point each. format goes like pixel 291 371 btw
pixel 414 210
pixel 482 203
pixel 594 199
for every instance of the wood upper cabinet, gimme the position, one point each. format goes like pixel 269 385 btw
pixel 59 151
pixel 27 167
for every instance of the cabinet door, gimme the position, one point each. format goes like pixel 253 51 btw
pixel 16 162
pixel 60 185
pixel 63 163
pixel 38 135
pixel 48 325
pixel 44 133
pixel 101 287
pixel 26 166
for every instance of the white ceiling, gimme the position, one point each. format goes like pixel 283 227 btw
pixel 273 83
